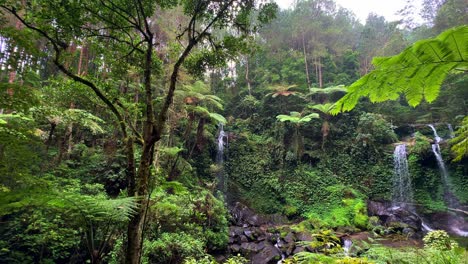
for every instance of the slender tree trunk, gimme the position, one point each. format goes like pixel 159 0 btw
pixel 140 186
pixel 51 133
pixel 320 72
pixel 12 74
pixel 305 61
pixel 247 78
pixel 70 132
pixel 316 69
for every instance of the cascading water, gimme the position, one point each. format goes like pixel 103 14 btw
pixel 220 175
pixel 347 246
pixel 448 196
pixel 277 246
pixel 402 195
pixel 450 128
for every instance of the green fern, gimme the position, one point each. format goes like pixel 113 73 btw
pixel 327 90
pixel 460 141
pixel 417 72
pixel 324 108
pixel 297 118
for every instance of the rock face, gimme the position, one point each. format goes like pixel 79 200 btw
pixel 396 219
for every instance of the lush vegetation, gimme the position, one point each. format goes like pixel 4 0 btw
pixel 110 112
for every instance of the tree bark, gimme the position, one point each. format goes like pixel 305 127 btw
pixel 139 188
pixel 305 61
pixel 320 72
pixel 247 78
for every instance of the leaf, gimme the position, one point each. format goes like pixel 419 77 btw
pixel 295 117
pixel 218 118
pixel 460 141
pixel 417 72
pixel 327 90
pixel 324 108
pixel 172 151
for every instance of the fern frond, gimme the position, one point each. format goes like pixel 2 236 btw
pixel 417 72
pixel 327 90
pixel 218 118
pixel 296 117
pixel 460 141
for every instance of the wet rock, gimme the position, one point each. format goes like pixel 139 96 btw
pixel 267 255
pixel 249 248
pixel 304 236
pixel 298 249
pixel 249 234
pixel 243 239
pixel 236 231
pixel 241 215
pixel 290 238
pixel 235 248
pixel 394 217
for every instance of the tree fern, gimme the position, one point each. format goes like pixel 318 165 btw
pixel 417 72
pixel 296 117
pixel 324 108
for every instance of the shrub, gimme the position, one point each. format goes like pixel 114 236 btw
pixel 440 240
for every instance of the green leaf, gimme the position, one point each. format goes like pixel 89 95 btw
pixel 218 118
pixel 417 72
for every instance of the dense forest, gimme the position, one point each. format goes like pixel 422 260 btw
pixel 232 131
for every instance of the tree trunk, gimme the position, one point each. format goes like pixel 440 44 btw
pixel 70 132
pixel 139 187
pixel 51 133
pixel 320 72
pixel 83 62
pixel 247 78
pixel 305 61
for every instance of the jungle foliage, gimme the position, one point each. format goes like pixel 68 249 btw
pixel 110 113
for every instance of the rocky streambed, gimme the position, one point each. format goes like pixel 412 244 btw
pixel 265 239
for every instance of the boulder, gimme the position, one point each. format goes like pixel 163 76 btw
pixel 250 248
pixel 243 216
pixel 268 255
pixel 304 236
pixel 396 217
pixel 299 249
pixel 290 238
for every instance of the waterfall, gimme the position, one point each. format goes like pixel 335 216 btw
pixel 450 128
pixel 220 175
pixel 436 136
pixel 347 246
pixel 448 196
pixel 277 246
pixel 402 191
